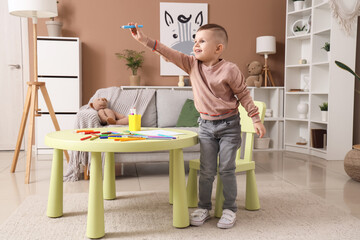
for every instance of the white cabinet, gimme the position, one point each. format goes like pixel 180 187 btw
pixel 274 124
pixel 59 66
pixel 311 77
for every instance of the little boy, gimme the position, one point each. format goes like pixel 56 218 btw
pixel 218 88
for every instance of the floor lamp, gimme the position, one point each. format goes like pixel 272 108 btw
pixel 266 45
pixel 34 9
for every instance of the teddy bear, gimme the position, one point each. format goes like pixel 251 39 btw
pixel 255 77
pixel 107 115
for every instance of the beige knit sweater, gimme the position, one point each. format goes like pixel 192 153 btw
pixel 214 87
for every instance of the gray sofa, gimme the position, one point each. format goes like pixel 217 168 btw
pixel 162 111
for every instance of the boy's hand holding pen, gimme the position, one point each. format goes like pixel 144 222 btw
pixel 139 36
pixel 136 33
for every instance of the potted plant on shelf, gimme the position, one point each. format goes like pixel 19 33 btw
pixel 300 27
pixel 326 47
pixel 134 61
pixel 54 27
pixel 324 111
pixel 298 4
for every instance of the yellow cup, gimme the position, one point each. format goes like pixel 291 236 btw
pixel 135 122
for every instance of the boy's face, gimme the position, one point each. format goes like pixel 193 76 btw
pixel 206 46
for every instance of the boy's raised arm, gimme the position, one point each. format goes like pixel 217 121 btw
pixel 180 59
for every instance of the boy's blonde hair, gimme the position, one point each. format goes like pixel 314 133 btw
pixel 219 30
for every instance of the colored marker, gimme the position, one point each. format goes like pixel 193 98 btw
pixel 162 135
pixel 82 139
pixel 130 26
pixel 95 137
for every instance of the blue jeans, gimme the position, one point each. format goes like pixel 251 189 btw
pixel 218 138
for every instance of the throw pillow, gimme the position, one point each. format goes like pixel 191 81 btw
pixel 189 115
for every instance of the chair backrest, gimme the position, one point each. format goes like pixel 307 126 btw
pixel 247 129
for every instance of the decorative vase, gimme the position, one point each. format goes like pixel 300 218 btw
pixel 352 163
pixel 324 116
pixel 302 109
pixel 298 5
pixel 134 80
pixel 54 28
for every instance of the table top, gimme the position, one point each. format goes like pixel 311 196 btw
pixel 70 140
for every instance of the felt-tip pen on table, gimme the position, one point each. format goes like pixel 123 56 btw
pixel 82 139
pixel 162 135
pixel 130 26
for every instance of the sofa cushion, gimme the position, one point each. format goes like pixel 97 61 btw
pixel 189 115
pixel 148 119
pixel 169 104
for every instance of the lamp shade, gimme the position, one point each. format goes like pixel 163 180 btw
pixel 33 8
pixel 265 45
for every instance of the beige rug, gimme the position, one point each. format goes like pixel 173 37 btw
pixel 286 213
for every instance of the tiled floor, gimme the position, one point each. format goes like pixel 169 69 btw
pixel 326 179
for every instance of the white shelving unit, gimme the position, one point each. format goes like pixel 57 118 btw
pixel 272 96
pixel 59 66
pixel 274 100
pixel 319 80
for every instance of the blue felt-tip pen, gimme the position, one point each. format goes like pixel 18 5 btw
pixel 130 26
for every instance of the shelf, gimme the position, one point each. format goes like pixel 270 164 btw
pixel 321 63
pixel 298 66
pixel 273 119
pixel 296 119
pixel 296 145
pixel 319 122
pixel 297 93
pixel 323 32
pixel 319 93
pixel 300 37
pixel 301 13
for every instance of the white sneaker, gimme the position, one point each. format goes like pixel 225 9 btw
pixel 199 216
pixel 227 219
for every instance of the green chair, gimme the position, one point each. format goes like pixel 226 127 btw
pixel 242 164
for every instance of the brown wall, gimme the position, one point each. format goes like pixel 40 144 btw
pixel 97 24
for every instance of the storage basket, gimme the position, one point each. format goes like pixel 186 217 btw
pixel 261 143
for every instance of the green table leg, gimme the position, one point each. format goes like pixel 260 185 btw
pixel 180 206
pixel 171 176
pixel 95 219
pixel 55 200
pixel 109 177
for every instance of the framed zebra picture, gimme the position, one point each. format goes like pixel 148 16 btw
pixel 178 25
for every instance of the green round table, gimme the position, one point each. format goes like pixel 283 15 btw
pixel 100 189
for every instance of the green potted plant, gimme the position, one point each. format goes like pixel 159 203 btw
pixel 298 4
pixel 134 61
pixel 54 27
pixel 345 67
pixel 324 111
pixel 300 27
pixel 326 47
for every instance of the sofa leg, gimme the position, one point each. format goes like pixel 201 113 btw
pixel 86 175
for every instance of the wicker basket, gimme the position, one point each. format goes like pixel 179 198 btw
pixel 261 143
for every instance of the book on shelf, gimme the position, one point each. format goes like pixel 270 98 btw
pixel 318 138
